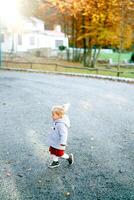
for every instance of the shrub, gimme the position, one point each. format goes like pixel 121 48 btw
pixel 132 58
pixel 62 48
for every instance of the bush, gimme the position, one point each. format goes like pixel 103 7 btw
pixel 132 58
pixel 62 48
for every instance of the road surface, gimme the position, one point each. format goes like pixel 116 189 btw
pixel 101 138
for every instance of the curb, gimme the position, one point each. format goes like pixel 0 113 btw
pixel 111 78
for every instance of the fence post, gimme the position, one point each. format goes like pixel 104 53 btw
pixel 31 65
pixel 56 67
pixel 118 73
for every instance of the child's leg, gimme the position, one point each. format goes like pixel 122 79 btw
pixel 70 158
pixel 54 158
pixel 65 156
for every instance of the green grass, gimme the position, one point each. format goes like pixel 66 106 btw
pixel 104 56
pixel 114 56
pixel 127 75
pixel 126 72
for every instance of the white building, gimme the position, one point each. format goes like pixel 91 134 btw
pixel 31 35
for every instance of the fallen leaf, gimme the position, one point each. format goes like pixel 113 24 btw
pixel 8 174
pixel 92 138
pixel 20 175
pixel 29 154
pixel 67 193
pixel 28 169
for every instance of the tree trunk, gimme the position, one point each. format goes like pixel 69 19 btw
pixel 122 26
pixel 84 40
pixel 73 39
pixel 89 57
pixel 0 45
pixel 119 59
pixel 95 57
pixel 12 49
pixel 98 53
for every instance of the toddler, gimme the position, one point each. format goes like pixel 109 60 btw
pixel 57 138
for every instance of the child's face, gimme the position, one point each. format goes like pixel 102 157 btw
pixel 55 116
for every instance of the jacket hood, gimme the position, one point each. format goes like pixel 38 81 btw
pixel 64 120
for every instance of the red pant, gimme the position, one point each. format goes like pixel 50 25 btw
pixel 56 152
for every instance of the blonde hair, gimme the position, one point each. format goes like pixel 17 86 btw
pixel 61 110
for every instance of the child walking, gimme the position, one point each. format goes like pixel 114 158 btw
pixel 57 138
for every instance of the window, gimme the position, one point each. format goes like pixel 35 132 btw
pixel 19 39
pixel 58 43
pixel 2 38
pixel 32 41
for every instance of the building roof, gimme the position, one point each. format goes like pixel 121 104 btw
pixel 35 25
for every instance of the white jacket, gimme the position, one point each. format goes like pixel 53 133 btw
pixel 59 133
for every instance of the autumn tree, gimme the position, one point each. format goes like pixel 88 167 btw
pixel 125 26
pixel 92 25
pixel 88 22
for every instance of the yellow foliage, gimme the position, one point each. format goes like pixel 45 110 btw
pixel 102 20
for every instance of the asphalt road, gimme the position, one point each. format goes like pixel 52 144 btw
pixel 101 138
